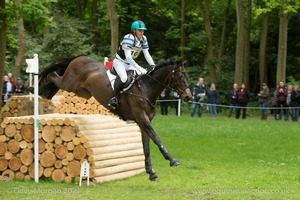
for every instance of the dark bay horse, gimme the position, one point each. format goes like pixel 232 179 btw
pixel 87 77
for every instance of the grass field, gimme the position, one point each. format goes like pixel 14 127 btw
pixel 220 159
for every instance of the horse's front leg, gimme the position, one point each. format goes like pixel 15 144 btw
pixel 148 166
pixel 147 128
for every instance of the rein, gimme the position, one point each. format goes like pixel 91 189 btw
pixel 173 80
pixel 160 82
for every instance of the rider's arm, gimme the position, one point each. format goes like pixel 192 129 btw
pixel 129 58
pixel 148 57
pixel 146 51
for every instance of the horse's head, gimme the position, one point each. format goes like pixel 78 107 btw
pixel 179 80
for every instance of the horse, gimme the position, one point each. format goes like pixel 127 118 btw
pixel 87 77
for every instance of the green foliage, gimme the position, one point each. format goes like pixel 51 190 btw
pixel 70 37
pixel 56 28
pixel 37 12
pixel 291 81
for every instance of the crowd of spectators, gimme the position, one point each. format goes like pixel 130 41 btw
pixel 10 87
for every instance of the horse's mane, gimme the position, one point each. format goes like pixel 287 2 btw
pixel 164 62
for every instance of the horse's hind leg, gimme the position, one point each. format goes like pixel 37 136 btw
pixel 58 81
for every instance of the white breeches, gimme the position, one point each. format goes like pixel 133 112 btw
pixel 121 69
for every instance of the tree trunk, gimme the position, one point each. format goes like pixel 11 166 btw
pixel 210 55
pixel 114 24
pixel 239 54
pixel 2 42
pixel 282 47
pixel 221 48
pixel 81 5
pixel 182 32
pixel 247 44
pixel 95 16
pixel 22 41
pixel 262 50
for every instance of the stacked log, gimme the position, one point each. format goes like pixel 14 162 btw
pixel 69 103
pixel 112 148
pixel 23 106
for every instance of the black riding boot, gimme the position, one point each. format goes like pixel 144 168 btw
pixel 113 102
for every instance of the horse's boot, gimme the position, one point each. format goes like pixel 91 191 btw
pixel 113 102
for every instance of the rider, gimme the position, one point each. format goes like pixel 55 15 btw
pixel 129 49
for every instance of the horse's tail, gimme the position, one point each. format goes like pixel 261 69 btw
pixel 48 89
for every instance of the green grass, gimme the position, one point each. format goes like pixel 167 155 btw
pixel 220 159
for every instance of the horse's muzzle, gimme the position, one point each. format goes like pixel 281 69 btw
pixel 187 95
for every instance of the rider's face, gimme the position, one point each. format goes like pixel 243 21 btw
pixel 139 33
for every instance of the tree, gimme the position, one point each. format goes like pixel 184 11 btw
pixel 182 30
pixel 262 49
pixel 2 41
pixel 240 45
pixel 114 25
pixel 224 29
pixel 242 55
pixel 22 40
pixel 248 19
pixel 210 48
pixel 282 46
pixel 286 10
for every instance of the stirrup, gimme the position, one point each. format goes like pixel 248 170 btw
pixel 113 103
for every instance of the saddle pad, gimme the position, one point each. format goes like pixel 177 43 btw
pixel 111 78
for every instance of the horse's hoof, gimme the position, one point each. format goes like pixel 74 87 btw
pixel 174 163
pixel 153 177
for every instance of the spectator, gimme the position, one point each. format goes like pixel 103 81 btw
pixel 281 95
pixel 6 90
pixel 19 88
pixel 295 103
pixel 288 100
pixel 242 100
pixel 199 93
pixel 164 96
pixel 212 100
pixel 11 80
pixel 263 99
pixel 233 99
pixel 274 105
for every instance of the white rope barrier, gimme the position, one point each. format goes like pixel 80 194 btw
pixel 250 107
pixel 226 106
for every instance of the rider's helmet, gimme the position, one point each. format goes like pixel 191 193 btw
pixel 138 25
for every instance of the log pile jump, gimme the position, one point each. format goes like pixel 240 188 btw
pixel 111 146
pixel 69 103
pixel 22 106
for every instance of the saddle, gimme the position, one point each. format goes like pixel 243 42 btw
pixel 131 78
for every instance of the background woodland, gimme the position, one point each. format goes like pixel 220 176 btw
pixel 225 41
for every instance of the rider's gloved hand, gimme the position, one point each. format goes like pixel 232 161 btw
pixel 141 71
pixel 150 68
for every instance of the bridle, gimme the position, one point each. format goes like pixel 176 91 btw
pixel 183 76
pixel 175 72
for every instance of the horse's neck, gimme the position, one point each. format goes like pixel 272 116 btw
pixel 158 82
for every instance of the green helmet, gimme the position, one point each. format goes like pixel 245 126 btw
pixel 138 25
